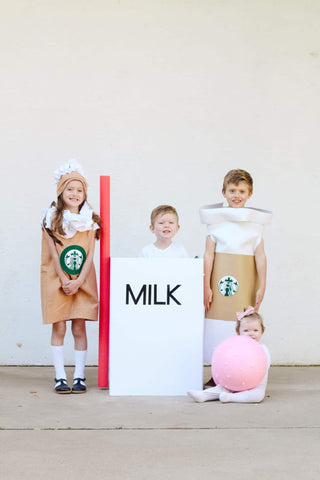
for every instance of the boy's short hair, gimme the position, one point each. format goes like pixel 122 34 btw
pixel 237 176
pixel 161 210
pixel 253 316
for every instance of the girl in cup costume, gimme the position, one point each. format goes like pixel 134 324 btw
pixel 234 260
pixel 68 279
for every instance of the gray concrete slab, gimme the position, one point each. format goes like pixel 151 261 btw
pixel 48 435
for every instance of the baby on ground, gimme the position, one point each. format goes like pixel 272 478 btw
pixel 249 323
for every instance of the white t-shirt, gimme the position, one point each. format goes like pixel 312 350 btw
pixel 175 250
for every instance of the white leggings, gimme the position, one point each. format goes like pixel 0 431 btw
pixel 255 395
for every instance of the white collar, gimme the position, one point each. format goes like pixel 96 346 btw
pixel 217 213
pixel 72 222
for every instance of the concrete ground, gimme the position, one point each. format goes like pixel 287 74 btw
pixel 49 436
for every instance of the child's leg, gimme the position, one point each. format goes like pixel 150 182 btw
pixel 57 338
pixel 214 333
pixel 80 346
pixel 206 395
pixel 255 395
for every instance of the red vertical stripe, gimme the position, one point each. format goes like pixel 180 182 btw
pixel 103 379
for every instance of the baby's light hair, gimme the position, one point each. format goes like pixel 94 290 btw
pixel 237 176
pixel 254 316
pixel 161 210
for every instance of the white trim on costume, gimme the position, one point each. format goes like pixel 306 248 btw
pixel 72 222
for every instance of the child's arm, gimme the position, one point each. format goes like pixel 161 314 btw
pixel 208 260
pixel 55 258
pixel 261 266
pixel 72 286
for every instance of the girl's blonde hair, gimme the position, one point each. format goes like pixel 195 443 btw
pixel 254 316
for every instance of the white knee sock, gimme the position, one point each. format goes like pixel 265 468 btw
pixel 58 361
pixel 80 357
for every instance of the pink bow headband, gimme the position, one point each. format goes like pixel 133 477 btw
pixel 241 315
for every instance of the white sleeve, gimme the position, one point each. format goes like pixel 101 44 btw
pixel 213 238
pixel 148 251
pixel 183 253
pixel 257 243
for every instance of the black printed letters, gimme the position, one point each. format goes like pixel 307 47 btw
pixel 148 295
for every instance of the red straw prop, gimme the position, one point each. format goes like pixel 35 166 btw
pixel 103 380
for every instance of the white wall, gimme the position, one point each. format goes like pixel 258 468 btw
pixel 165 96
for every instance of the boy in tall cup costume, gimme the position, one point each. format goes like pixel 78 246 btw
pixel 235 263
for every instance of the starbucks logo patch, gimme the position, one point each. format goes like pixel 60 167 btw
pixel 228 286
pixel 72 259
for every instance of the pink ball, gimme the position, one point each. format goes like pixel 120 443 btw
pixel 239 363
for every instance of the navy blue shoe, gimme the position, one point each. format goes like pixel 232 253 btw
pixel 62 386
pixel 79 385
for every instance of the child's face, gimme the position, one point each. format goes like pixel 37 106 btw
pixel 237 195
pixel 165 226
pixel 73 196
pixel 251 328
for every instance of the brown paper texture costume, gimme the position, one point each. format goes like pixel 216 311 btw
pixel 237 232
pixel 56 305
pixel 79 230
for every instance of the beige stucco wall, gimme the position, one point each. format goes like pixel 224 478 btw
pixel 165 96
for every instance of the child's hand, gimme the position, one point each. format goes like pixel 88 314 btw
pixel 259 298
pixel 71 287
pixel 207 298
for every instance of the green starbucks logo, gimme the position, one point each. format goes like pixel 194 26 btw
pixel 72 259
pixel 228 286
